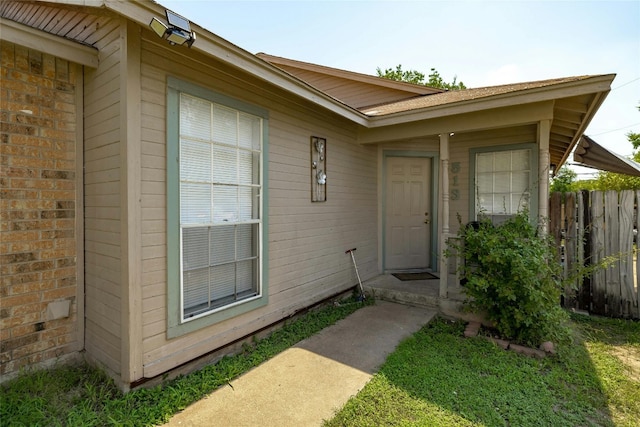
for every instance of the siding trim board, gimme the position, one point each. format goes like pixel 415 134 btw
pixel 131 216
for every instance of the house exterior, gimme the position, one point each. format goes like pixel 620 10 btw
pixel 160 202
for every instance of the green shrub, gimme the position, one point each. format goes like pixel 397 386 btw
pixel 512 274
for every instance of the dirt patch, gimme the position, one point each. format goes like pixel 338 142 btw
pixel 630 357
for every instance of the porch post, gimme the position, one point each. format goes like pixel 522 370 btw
pixel 444 213
pixel 544 131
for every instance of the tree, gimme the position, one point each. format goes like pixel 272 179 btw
pixel 418 78
pixel 412 76
pixel 564 181
pixel 436 81
pixel 634 138
pixel 616 181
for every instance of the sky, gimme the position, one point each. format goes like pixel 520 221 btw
pixel 483 43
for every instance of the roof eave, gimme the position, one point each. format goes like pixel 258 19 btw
pixel 23 35
pixel 591 112
pixel 601 83
pixel 213 45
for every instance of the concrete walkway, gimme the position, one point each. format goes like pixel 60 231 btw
pixel 307 383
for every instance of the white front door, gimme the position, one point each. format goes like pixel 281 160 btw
pixel 408 216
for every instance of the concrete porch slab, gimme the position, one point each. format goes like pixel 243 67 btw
pixel 421 293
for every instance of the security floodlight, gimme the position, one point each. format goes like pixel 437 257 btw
pixel 158 27
pixel 178 32
pixel 179 37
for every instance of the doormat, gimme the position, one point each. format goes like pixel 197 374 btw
pixel 414 276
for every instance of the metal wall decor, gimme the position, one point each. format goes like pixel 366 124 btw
pixel 318 169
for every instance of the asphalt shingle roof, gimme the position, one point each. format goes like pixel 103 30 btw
pixel 452 97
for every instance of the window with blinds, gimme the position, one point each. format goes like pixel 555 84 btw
pixel 220 152
pixel 503 183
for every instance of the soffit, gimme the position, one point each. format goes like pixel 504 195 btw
pixel 82 25
pixel 28 37
pixel 571 116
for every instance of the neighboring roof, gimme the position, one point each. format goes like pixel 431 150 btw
pixel 354 89
pixel 591 154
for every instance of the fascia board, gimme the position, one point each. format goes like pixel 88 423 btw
pixel 89 3
pixel 464 122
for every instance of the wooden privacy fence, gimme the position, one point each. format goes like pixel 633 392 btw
pixel 595 232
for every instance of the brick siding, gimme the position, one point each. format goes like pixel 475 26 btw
pixel 37 206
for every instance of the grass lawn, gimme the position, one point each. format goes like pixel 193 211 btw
pixel 84 396
pixel 434 378
pixel 439 378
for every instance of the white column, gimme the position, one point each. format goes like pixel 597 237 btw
pixel 544 132
pixel 443 226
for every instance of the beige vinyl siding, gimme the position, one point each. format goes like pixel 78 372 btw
pixel 306 240
pixel 102 205
pixel 300 230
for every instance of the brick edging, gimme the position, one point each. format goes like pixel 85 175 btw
pixel 473 328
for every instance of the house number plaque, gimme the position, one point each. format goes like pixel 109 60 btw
pixel 455 169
